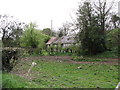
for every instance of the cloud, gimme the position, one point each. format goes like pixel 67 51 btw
pixel 40 11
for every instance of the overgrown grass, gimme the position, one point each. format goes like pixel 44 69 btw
pixel 61 54
pixel 59 74
pixel 107 54
pixel 14 81
pixel 45 53
pixel 96 58
pixel 87 59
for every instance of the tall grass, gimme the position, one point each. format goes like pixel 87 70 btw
pixel 60 74
pixel 14 81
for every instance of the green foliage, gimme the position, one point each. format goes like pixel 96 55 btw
pixel 60 54
pixel 50 48
pixel 54 48
pixel 78 58
pixel 59 47
pixel 86 59
pixel 10 57
pixel 45 53
pixel 11 30
pixel 65 29
pixel 91 36
pixel 33 38
pixel 14 81
pixel 112 39
pixel 60 34
pixel 74 48
pixel 107 54
pixel 25 53
pixel 48 31
pixel 115 20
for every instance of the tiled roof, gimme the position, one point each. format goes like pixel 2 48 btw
pixel 53 39
pixel 65 40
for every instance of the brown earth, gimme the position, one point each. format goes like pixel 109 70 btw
pixel 70 60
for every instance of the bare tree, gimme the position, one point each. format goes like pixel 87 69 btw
pixel 10 29
pixel 102 10
pixel 65 29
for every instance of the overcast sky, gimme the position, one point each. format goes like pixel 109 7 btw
pixel 41 11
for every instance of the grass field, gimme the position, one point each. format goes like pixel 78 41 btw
pixel 61 74
pixel 108 54
pixel 14 81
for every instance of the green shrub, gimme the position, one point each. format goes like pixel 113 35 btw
pixel 33 38
pixel 86 59
pixel 45 53
pixel 14 81
pixel 10 57
pixel 107 54
pixel 78 58
pixel 25 53
pixel 112 39
pixel 75 49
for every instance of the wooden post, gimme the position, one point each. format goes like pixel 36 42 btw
pixel 32 65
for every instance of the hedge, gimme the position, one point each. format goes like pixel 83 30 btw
pixel 10 57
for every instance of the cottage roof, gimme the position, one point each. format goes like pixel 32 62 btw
pixel 65 40
pixel 53 39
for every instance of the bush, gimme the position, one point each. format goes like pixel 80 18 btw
pixel 86 59
pixel 10 58
pixel 75 49
pixel 33 38
pixel 112 39
pixel 45 53
pixel 78 58
pixel 13 81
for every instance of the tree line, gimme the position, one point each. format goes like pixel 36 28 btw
pixel 90 29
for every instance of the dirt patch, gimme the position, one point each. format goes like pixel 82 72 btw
pixel 70 60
